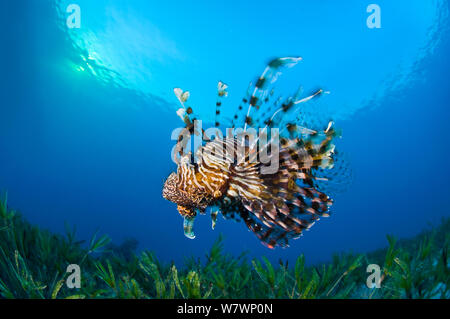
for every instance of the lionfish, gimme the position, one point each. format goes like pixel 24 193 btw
pixel 276 205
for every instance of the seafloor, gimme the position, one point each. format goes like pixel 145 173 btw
pixel 33 264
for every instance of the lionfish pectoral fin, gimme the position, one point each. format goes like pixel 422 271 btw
pixel 290 200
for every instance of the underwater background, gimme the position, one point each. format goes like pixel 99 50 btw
pixel 86 115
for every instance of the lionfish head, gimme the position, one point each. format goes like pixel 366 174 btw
pixel 172 193
pixel 184 203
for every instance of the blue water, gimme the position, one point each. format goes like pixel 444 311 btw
pixel 86 114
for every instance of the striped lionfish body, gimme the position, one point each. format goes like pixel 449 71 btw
pixel 234 174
